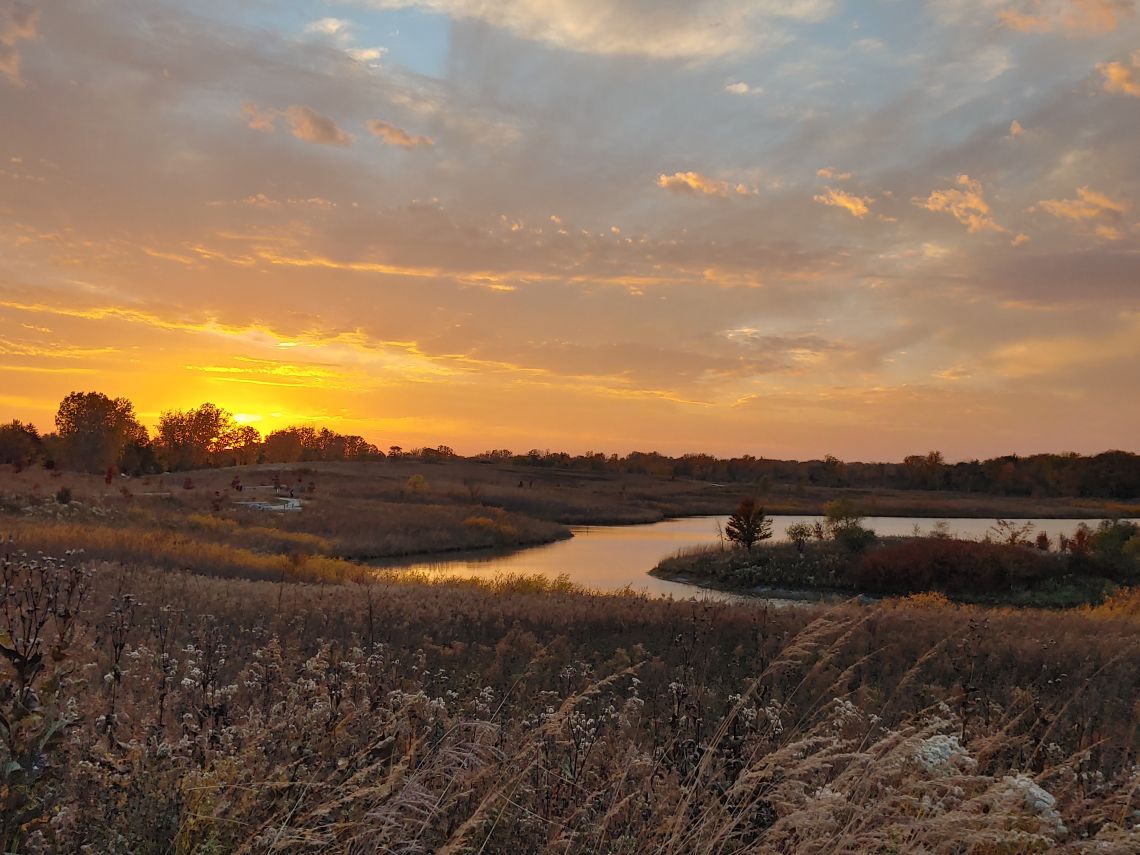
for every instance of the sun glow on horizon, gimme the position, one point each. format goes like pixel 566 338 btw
pixel 731 268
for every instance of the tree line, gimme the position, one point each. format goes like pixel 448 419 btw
pixel 1111 474
pixel 99 434
pixel 95 433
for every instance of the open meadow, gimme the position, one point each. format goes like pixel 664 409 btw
pixel 205 678
pixel 152 711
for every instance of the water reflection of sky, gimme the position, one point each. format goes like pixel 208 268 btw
pixel 613 557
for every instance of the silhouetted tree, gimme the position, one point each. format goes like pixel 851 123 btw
pixel 20 444
pixel 245 445
pixel 195 439
pixel 748 524
pixel 845 525
pixel 95 429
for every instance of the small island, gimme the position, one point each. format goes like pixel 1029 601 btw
pixel 840 558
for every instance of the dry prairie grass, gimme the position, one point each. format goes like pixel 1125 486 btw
pixel 556 496
pixel 208 715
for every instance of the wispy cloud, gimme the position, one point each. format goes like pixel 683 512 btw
pixel 333 27
pixel 309 125
pixel 392 135
pixel 856 206
pixel 1081 16
pixel 18 23
pixel 739 87
pixel 1099 210
pixel 666 29
pixel 259 119
pixel 966 203
pixel 695 183
pixel 1088 205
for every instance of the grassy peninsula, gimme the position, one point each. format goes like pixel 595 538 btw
pixel 843 558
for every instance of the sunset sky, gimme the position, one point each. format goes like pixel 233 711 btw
pixel 778 228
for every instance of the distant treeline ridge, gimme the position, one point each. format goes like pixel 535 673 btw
pixel 96 433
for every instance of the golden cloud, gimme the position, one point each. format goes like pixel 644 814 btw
pixel 392 135
pixel 1089 205
pixel 304 123
pixel 1050 355
pixel 696 183
pixel 856 206
pixel 966 203
pixel 1044 16
pixel 1121 78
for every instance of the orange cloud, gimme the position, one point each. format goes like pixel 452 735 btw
pixel 311 126
pixel 966 203
pixel 1100 16
pixel 304 123
pixel 1089 205
pixel 1044 16
pixel 696 183
pixel 1045 355
pixel 830 173
pixel 1023 22
pixel 392 135
pixel 258 119
pixel 1121 78
pixel 856 206
pixel 18 22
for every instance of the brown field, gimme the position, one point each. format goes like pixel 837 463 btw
pixel 557 496
pixel 186 714
pixel 209 679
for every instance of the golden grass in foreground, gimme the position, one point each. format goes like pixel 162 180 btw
pixel 211 715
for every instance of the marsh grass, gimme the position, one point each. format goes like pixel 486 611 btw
pixel 388 715
pixel 965 570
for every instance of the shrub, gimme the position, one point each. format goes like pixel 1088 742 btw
pixel 956 566
pixel 799 534
pixel 854 537
pixel 63 495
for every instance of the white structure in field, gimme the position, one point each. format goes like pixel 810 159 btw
pixel 276 505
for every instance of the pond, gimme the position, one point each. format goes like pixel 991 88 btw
pixel 610 558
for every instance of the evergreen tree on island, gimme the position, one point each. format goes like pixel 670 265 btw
pixel 748 524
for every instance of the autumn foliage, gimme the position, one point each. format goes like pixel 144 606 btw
pixel 953 566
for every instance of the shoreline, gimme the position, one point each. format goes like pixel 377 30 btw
pixel 829 596
pixel 1011 512
pixel 1068 590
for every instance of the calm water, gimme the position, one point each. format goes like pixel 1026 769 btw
pixel 613 557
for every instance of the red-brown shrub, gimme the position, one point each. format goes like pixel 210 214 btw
pixel 938 564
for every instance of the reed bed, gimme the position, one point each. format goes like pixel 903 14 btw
pixel 188 714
